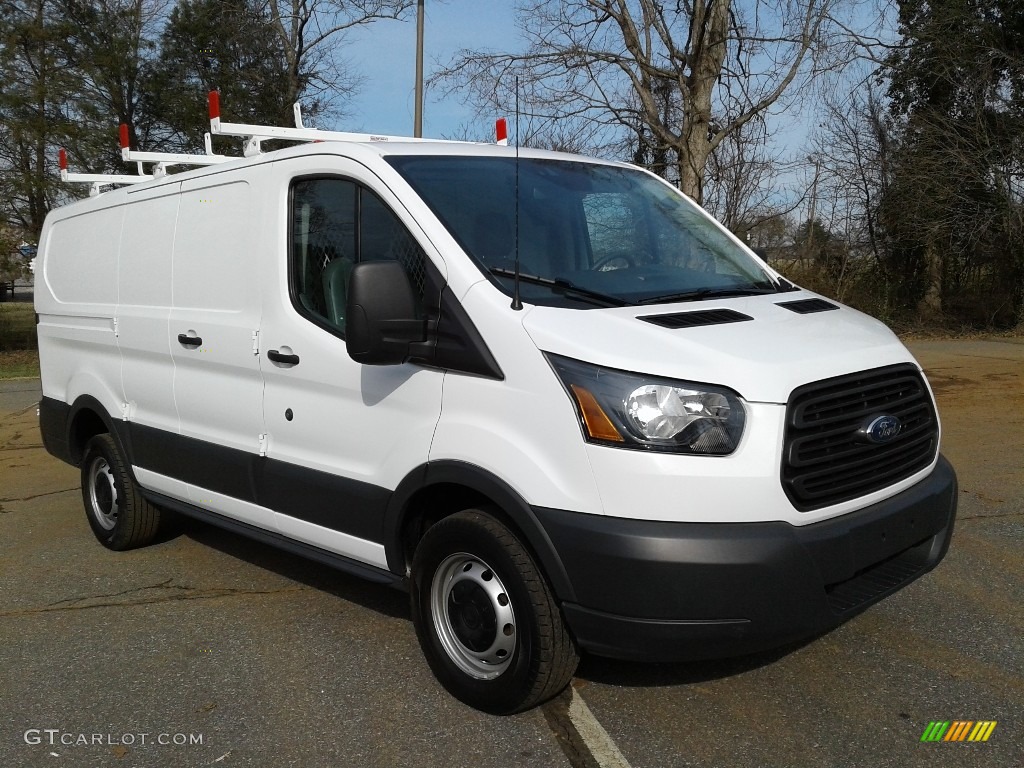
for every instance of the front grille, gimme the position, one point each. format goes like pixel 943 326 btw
pixel 825 461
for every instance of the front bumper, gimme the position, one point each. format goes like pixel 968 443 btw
pixel 657 591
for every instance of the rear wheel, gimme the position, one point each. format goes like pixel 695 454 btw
pixel 485 617
pixel 118 514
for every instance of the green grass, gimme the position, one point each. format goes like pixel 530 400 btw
pixel 17 326
pixel 19 364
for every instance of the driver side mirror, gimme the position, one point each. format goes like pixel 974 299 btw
pixel 382 322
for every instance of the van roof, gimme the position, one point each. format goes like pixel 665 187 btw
pixel 352 149
pixel 453 148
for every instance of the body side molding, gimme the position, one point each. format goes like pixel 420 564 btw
pixel 342 563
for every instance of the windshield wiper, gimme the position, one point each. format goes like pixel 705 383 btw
pixel 561 285
pixel 707 293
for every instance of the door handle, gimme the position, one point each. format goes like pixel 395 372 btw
pixel 280 357
pixel 189 341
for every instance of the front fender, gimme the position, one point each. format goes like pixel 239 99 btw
pixel 497 491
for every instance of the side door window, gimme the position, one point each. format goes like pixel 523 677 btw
pixel 335 224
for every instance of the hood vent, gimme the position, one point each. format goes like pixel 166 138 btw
pixel 693 319
pixel 807 306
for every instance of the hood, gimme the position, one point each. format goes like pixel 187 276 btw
pixel 762 358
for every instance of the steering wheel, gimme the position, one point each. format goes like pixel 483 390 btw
pixel 604 265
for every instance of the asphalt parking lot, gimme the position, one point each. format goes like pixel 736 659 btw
pixel 206 649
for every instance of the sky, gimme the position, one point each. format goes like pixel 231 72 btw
pixel 385 55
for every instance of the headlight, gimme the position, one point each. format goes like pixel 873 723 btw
pixel 630 410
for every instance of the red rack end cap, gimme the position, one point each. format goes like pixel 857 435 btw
pixel 62 158
pixel 501 129
pixel 124 135
pixel 214 101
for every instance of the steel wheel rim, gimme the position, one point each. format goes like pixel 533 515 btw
pixel 473 616
pixel 103 501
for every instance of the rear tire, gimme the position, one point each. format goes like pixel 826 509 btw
pixel 486 620
pixel 118 514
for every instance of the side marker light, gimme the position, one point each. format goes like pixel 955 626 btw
pixel 598 425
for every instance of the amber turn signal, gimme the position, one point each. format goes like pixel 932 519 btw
pixel 598 425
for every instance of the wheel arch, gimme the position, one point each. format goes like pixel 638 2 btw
pixel 86 419
pixel 439 489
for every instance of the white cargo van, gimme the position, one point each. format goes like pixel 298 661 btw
pixel 649 445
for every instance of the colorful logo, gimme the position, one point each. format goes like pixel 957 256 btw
pixel 959 730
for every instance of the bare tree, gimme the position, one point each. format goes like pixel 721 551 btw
pixel 309 31
pixel 743 180
pixel 854 148
pixel 676 79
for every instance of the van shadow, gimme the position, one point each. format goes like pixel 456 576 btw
pixel 639 674
pixel 381 598
pixel 394 603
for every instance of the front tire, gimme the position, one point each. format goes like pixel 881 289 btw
pixel 118 514
pixel 486 620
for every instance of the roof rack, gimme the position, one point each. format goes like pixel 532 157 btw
pixel 254 134
pixel 97 179
pixel 165 159
pixel 162 160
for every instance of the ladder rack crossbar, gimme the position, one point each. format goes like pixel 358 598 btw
pixel 172 158
pixel 167 158
pixel 254 134
pixel 103 178
pixel 265 132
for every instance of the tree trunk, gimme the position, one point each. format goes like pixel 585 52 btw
pixel 709 32
pixel 930 306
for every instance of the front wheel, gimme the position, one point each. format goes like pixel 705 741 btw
pixel 485 617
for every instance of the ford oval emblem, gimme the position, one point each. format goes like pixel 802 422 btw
pixel 880 429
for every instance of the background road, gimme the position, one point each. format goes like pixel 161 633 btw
pixel 274 661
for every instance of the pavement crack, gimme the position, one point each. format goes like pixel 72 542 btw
pixel 160 585
pixel 163 592
pixel 962 518
pixel 39 495
pixel 23 411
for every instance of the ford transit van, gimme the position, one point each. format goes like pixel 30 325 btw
pixel 547 394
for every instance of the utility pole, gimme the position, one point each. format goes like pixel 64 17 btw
pixel 418 126
pixel 816 159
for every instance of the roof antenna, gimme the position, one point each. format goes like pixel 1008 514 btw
pixel 517 303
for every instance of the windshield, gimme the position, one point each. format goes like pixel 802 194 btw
pixel 588 234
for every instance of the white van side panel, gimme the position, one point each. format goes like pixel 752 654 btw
pixel 371 424
pixel 216 281
pixel 522 429
pixel 144 282
pixel 218 387
pixel 76 299
pixel 81 259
